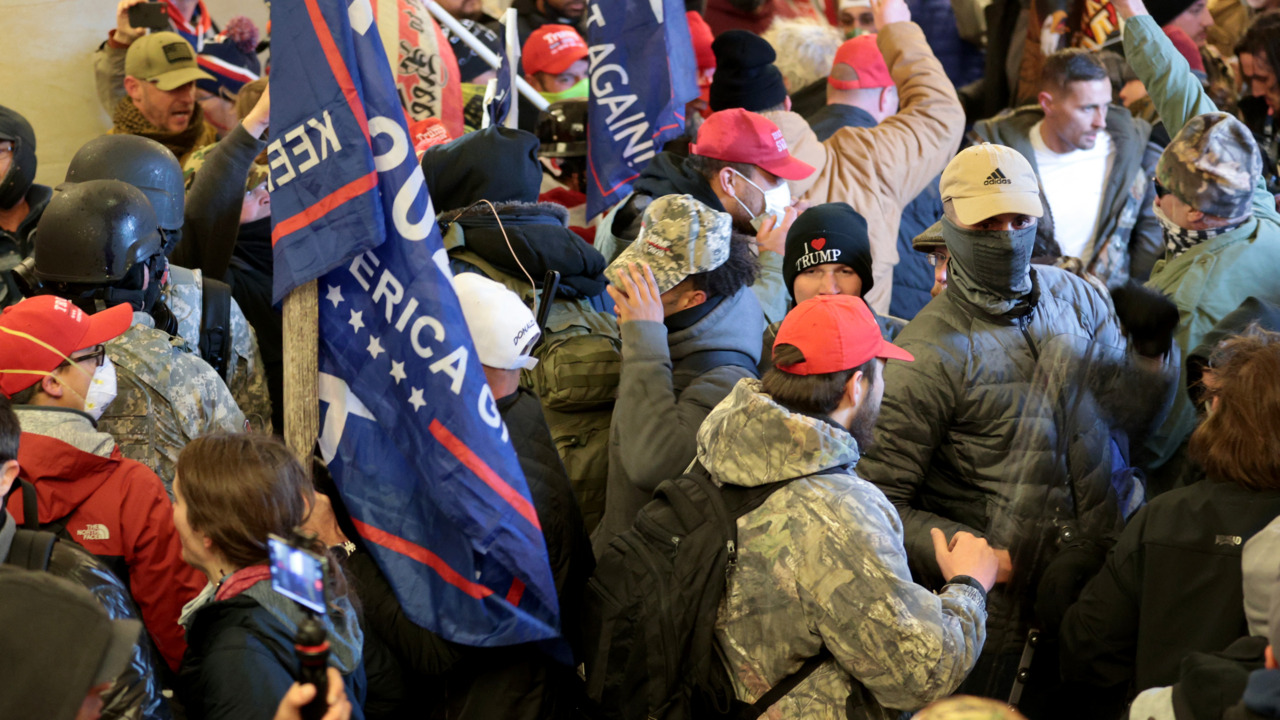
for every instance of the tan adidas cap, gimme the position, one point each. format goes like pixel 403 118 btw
pixel 988 180
pixel 165 59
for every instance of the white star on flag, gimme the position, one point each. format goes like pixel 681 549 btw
pixel 375 348
pixel 415 399
pixel 334 295
pixel 357 320
pixel 397 371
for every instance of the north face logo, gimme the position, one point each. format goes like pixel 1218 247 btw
pixel 997 178
pixel 94 532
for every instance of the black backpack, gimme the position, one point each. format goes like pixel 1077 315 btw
pixel 31 549
pixel 215 326
pixel 651 608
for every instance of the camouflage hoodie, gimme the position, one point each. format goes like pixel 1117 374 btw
pixel 821 563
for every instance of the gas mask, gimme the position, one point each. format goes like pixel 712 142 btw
pixel 776 202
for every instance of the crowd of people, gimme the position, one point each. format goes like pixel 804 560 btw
pixel 934 372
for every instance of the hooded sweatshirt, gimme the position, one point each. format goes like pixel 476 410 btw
pixel 821 564
pixel 115 508
pixel 241 658
pixel 651 438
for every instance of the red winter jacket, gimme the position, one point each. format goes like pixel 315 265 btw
pixel 117 509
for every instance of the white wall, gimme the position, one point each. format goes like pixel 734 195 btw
pixel 46 69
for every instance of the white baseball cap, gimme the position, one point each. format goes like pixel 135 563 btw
pixel 502 327
pixel 988 180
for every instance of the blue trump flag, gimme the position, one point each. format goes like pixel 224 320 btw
pixel 642 73
pixel 411 431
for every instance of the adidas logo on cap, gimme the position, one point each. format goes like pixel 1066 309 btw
pixel 997 178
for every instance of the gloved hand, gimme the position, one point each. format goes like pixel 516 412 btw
pixel 1147 316
pixel 1064 578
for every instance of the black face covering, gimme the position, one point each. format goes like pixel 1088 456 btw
pixel 992 267
pixel 22 171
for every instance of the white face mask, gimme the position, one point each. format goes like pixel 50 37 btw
pixel 776 201
pixel 102 389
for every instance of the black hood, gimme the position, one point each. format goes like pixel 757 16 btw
pixel 496 164
pixel 669 174
pixel 22 172
pixel 540 236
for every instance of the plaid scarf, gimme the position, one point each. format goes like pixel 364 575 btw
pixel 1178 239
pixel 129 121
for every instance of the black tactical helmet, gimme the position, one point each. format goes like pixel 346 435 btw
pixel 22 170
pixel 94 232
pixel 141 162
pixel 562 129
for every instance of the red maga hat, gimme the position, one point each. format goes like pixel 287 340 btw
pixel 834 333
pixel 742 136
pixel 863 55
pixel 552 49
pixel 29 329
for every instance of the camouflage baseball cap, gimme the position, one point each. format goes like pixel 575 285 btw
pixel 1212 165
pixel 679 237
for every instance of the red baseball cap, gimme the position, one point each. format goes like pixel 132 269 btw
pixel 700 33
pixel 742 136
pixel 552 49
pixel 37 335
pixel 835 333
pixel 863 55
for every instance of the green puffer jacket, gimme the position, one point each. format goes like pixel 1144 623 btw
pixel 1213 278
pixel 821 564
pixel 967 442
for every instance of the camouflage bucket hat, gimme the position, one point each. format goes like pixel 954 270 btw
pixel 679 237
pixel 1212 165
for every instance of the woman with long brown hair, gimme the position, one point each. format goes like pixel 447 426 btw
pixel 230 493
pixel 1172 583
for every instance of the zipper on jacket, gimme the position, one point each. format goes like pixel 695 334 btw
pixel 1023 323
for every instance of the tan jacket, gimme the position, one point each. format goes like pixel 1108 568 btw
pixel 879 170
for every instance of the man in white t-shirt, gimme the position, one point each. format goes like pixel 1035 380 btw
pixel 1095 163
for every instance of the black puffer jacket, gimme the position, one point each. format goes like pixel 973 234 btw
pixel 966 442
pixel 135 694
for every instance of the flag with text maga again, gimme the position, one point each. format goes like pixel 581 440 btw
pixel 642 73
pixel 410 428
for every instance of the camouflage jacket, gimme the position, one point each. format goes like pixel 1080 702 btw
pixel 821 563
pixel 167 396
pixel 248 381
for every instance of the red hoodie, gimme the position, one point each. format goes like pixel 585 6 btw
pixel 118 510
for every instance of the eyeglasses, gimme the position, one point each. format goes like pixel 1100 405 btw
pixel 936 259
pixel 98 354
pixel 1161 190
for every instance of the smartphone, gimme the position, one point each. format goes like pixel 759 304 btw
pixel 298 574
pixel 150 15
